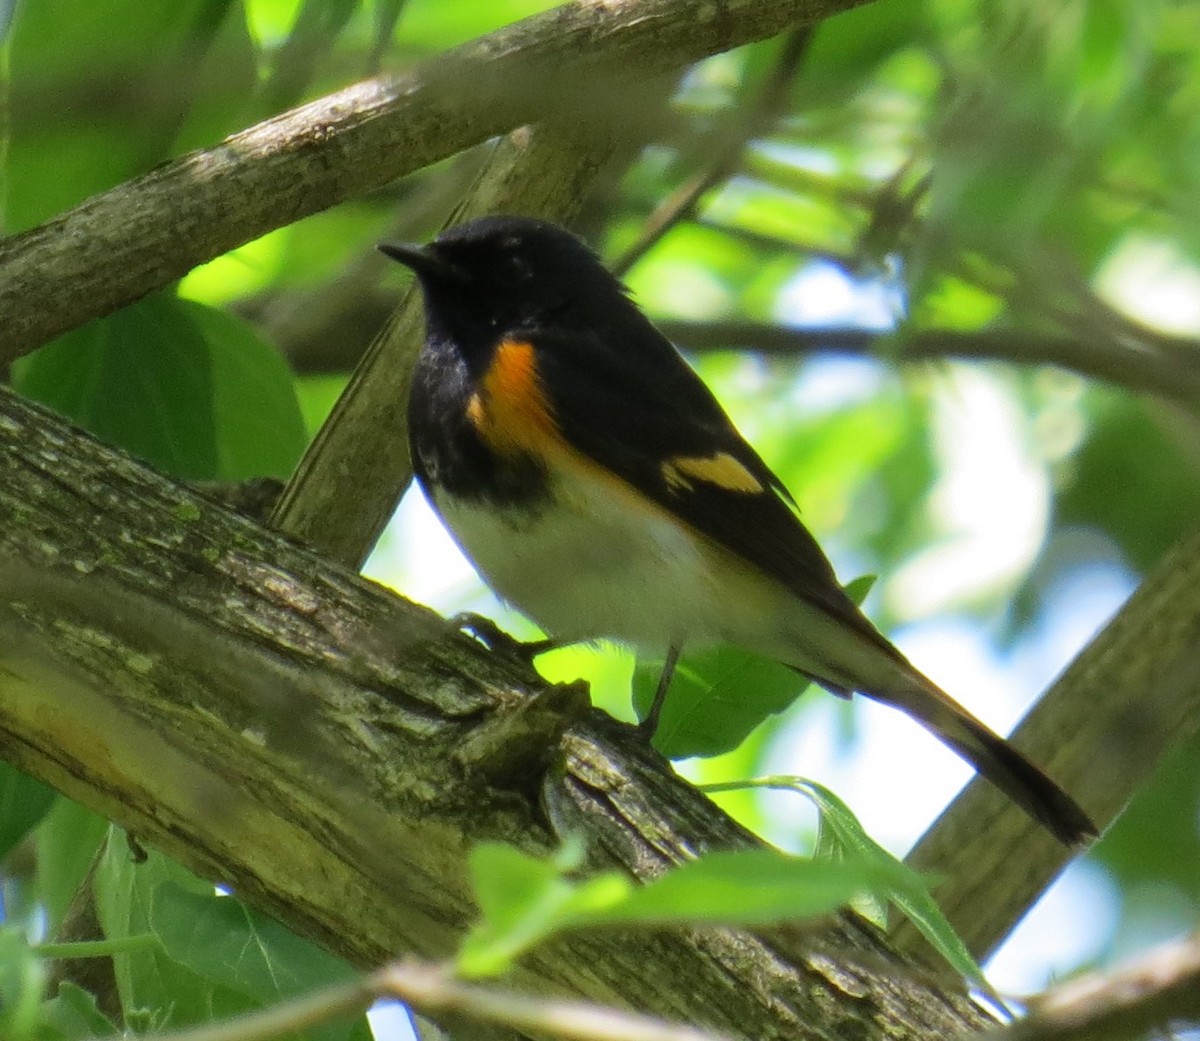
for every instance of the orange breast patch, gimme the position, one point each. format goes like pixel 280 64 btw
pixel 510 409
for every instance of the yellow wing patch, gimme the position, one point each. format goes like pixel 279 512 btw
pixel 721 469
pixel 510 409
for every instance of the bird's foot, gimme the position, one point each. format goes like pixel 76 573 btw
pixel 497 640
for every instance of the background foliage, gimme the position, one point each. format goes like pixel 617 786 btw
pixel 1013 185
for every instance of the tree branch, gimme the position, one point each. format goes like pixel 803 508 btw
pixel 1156 994
pixel 1172 373
pixel 116 247
pixel 331 751
pixel 1130 697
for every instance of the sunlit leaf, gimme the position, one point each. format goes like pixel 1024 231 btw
pixel 526 899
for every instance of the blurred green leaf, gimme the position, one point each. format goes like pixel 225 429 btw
pixel 752 887
pixel 1129 447
pixel 848 48
pixel 188 388
pixel 141 379
pixel 72 1015
pixel 258 426
pixel 95 97
pixel 68 839
pixel 1155 843
pixel 23 802
pixel 22 980
pixel 524 899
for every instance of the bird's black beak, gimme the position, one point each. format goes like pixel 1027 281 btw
pixel 424 260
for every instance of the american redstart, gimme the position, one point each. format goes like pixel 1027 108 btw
pixel 598 487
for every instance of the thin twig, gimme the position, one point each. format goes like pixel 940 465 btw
pixel 746 123
pixel 1157 993
pixel 1173 374
pixel 433 990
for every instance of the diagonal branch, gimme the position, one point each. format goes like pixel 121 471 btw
pixel 116 247
pixel 1130 697
pixel 745 122
pixel 331 751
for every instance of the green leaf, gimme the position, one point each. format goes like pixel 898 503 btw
pixel 156 991
pixel 23 803
pixel 259 427
pixel 217 957
pixel 67 840
pixel 719 696
pixel 843 840
pixel 1131 447
pixel 524 899
pixel 22 980
pixel 233 946
pixel 72 1015
pixel 752 887
pixel 190 389
pixel 93 96
pixel 141 379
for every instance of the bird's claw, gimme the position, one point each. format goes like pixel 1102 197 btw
pixel 497 640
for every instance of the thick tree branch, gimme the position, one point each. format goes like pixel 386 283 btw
pixel 140 236
pixel 1130 697
pixel 331 751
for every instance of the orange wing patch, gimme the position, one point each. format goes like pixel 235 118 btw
pixel 721 469
pixel 510 410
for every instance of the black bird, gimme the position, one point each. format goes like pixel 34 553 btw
pixel 599 487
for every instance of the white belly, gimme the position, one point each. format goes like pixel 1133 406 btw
pixel 603 564
pixel 606 564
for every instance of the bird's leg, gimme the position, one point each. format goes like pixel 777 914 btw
pixel 650 724
pixel 497 640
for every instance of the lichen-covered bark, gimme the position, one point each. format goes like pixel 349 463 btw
pixel 331 750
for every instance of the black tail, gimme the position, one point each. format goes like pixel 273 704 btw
pixel 995 758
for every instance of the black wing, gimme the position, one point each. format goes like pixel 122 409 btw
pixel 642 413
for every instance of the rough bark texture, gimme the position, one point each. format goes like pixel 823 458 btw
pixel 331 751
pixel 116 247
